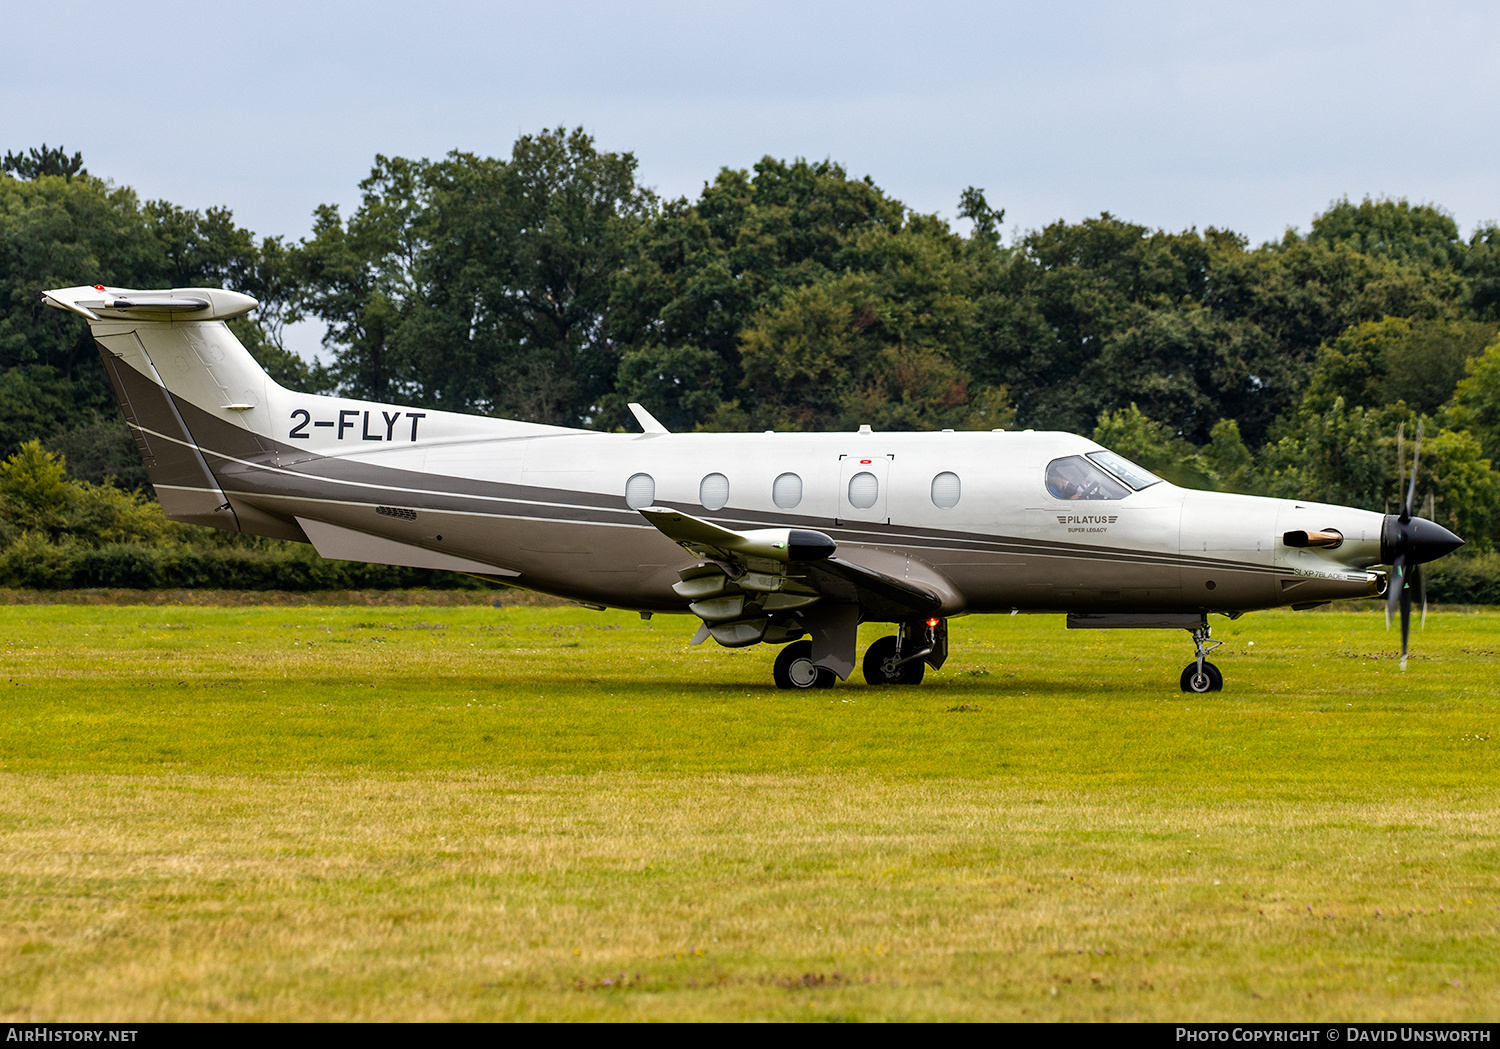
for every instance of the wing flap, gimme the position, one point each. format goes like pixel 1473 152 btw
pixel 879 595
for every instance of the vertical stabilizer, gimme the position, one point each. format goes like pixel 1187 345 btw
pixel 140 334
pixel 185 485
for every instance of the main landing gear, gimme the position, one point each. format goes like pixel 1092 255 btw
pixel 1200 675
pixel 901 658
pixel 795 669
pixel 885 665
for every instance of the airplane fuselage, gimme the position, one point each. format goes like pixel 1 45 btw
pixel 785 538
pixel 555 508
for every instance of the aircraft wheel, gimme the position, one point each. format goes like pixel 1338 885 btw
pixel 880 668
pixel 1208 681
pixel 794 668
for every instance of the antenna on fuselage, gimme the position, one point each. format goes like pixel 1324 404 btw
pixel 646 419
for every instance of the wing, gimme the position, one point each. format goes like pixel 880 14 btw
pixel 775 584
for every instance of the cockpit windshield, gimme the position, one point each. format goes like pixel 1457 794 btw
pixel 1077 478
pixel 1137 477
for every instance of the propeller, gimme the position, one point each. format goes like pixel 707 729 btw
pixel 1407 542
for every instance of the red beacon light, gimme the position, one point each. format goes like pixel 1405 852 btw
pixel 934 621
pixel 98 287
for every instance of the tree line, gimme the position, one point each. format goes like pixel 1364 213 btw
pixel 553 285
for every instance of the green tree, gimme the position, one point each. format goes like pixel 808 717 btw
pixel 56 231
pixel 38 496
pixel 1300 294
pixel 1476 401
pixel 1228 461
pixel 881 343
pixel 1047 315
pixel 1421 235
pixel 1182 364
pixel 36 163
pixel 1465 490
pixel 475 284
pixel 1154 445
pixel 1395 360
pixel 102 451
pixel 1342 455
pixel 1481 270
pixel 973 206
pixel 702 271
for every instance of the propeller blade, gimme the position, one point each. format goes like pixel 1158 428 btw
pixel 1393 586
pixel 1400 470
pixel 1411 492
pixel 1427 512
pixel 1422 589
pixel 1405 622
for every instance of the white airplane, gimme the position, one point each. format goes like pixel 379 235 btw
pixel 789 539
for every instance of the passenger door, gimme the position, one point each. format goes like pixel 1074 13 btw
pixel 863 488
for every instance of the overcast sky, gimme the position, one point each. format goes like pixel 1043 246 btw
pixel 1246 116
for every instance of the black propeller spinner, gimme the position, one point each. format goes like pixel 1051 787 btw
pixel 1408 542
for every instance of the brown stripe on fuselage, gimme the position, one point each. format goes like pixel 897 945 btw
pixel 613 564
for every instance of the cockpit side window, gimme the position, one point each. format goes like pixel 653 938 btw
pixel 1137 477
pixel 1077 478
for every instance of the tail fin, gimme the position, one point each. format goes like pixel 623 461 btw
pixel 175 367
pixel 213 427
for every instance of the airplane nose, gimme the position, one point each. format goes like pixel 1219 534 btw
pixel 1419 539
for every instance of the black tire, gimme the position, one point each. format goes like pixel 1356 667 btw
pixel 794 669
pixel 878 670
pixel 1211 680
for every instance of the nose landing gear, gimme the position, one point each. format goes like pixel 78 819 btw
pixel 1201 675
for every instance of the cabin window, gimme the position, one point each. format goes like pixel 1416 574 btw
pixel 864 489
pixel 1077 478
pixel 640 491
pixel 713 492
pixel 946 490
pixel 1137 477
pixel 786 491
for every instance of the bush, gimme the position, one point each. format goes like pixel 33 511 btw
pixel 31 561
pixel 1464 579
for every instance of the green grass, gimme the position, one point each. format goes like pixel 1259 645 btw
pixel 466 812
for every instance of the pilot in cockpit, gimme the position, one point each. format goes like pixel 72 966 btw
pixel 1077 478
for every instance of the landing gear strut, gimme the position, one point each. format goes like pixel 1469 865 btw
pixel 1201 675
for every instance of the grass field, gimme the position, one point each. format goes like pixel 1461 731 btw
pixel 469 812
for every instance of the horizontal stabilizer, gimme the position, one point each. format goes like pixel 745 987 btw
pixel 96 302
